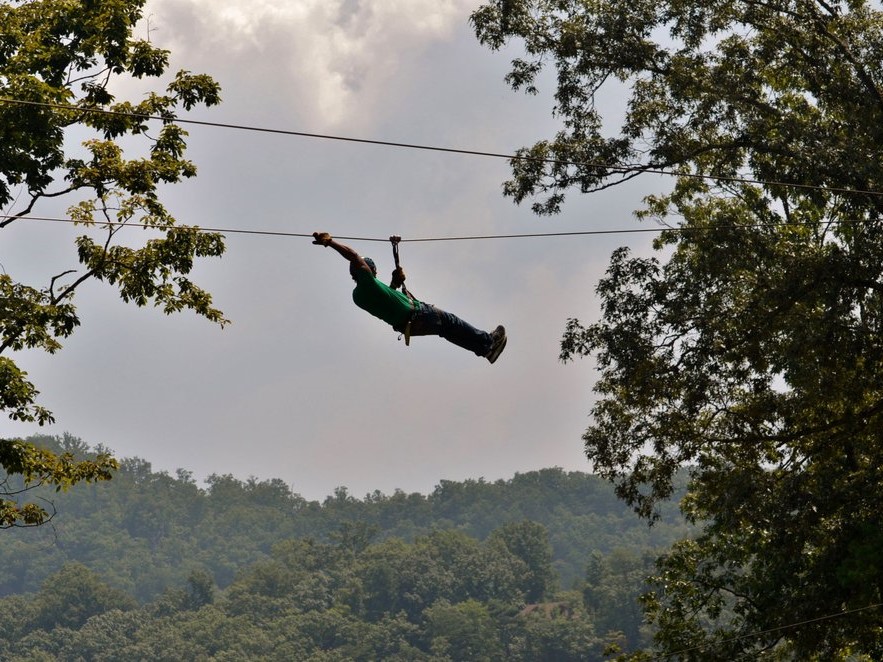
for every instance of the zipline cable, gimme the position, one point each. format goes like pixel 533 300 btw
pixel 531 235
pixel 611 168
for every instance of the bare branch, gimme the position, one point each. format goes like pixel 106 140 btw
pixel 55 278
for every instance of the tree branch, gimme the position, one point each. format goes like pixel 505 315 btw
pixel 10 218
pixel 862 73
pixel 52 284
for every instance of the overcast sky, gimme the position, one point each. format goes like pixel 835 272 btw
pixel 304 386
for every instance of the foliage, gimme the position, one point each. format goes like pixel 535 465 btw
pixel 146 531
pixel 346 578
pixel 455 598
pixel 60 61
pixel 37 466
pixel 610 582
pixel 560 631
pixel 464 631
pixel 749 349
pixel 73 595
pixel 529 543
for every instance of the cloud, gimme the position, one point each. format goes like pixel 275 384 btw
pixel 337 58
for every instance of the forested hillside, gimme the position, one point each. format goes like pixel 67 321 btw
pixel 546 565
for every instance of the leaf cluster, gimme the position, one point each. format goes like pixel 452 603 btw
pixel 28 467
pixel 60 61
pixel 785 91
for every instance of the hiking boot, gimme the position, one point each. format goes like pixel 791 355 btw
pixel 499 344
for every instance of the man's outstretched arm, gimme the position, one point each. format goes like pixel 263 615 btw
pixel 356 261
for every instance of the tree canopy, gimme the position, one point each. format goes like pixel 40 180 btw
pixel 60 64
pixel 749 347
pixel 139 529
pixel 547 565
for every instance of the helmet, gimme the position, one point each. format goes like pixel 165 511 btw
pixel 371 264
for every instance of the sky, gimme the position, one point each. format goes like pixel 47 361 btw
pixel 303 386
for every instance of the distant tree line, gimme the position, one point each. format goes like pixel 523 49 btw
pixel 546 565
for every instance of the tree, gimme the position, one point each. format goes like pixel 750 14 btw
pixel 749 348
pixel 464 631
pixel 611 590
pixel 557 632
pixel 200 590
pixel 60 61
pixel 529 543
pixel 73 595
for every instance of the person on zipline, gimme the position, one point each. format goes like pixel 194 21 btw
pixel 406 314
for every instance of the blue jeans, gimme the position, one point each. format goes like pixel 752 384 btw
pixel 427 320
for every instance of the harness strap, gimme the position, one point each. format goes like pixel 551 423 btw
pixel 394 240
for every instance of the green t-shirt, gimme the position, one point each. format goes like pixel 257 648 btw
pixel 390 305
